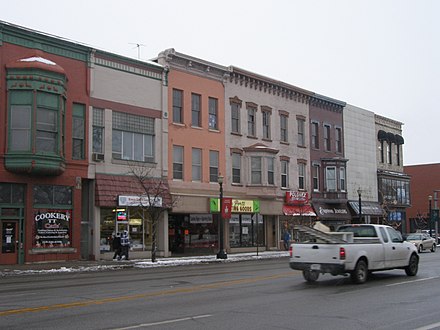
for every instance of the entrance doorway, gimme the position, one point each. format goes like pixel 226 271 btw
pixel 9 242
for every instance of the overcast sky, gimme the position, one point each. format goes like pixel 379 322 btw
pixel 380 55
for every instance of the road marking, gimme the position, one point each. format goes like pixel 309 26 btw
pixel 413 281
pixel 192 289
pixel 164 322
pixel 429 326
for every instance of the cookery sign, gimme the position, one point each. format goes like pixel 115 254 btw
pixel 52 228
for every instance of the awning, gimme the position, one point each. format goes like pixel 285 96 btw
pixel 327 211
pixel 299 210
pixel 368 208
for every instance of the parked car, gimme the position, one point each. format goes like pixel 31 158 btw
pixel 422 241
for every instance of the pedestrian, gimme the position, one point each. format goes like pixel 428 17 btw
pixel 125 245
pixel 116 244
pixel 286 239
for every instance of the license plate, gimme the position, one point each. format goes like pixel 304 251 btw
pixel 315 267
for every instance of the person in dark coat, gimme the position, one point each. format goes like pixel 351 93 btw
pixel 125 245
pixel 116 244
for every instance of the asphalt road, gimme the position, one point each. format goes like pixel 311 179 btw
pixel 263 294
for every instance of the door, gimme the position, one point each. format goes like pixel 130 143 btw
pixel 9 242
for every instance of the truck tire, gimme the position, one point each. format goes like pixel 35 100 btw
pixel 310 275
pixel 433 247
pixel 360 273
pixel 420 248
pixel 413 266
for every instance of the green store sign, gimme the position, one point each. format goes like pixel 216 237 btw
pixel 238 206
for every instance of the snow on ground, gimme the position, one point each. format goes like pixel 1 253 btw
pixel 140 263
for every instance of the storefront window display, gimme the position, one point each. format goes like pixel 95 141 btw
pixel 244 231
pixel 134 220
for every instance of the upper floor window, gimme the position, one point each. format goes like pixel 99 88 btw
pixel 196 110
pixel 389 153
pixel 133 137
pixel 256 170
pixel 235 117
pixel 342 179
pixel 196 164
pixel 301 176
pixel 327 141
pixel 381 150
pixel 251 121
pixel 315 135
pixel 266 124
pixel 301 132
pixel 98 131
pixel 236 167
pixel 315 177
pixel 270 170
pixel 338 139
pixel 78 131
pixel 178 162
pixel 213 113
pixel 330 178
pixel 213 165
pixel 177 106
pixel 20 128
pixel 398 154
pixel 283 127
pixel 284 174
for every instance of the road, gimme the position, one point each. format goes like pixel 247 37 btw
pixel 263 294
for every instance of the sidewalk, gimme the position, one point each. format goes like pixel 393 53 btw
pixel 89 266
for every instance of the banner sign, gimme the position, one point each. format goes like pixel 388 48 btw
pixel 226 208
pixel 143 201
pixel 238 206
pixel 297 197
pixel 52 228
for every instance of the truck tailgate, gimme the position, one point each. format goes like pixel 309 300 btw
pixel 315 253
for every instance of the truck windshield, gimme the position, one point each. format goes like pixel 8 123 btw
pixel 359 231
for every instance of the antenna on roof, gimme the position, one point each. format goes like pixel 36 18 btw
pixel 138 46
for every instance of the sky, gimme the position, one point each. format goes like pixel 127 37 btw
pixel 379 55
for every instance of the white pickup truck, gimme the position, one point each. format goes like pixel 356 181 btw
pixel 354 249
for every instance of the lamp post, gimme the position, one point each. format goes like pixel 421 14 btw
pixel 221 254
pixel 359 191
pixel 430 215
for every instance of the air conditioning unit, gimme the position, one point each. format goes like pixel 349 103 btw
pixel 98 157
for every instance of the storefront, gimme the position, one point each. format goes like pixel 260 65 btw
pixel 332 214
pixel 371 212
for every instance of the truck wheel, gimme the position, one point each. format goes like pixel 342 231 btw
pixel 413 266
pixel 420 248
pixel 433 247
pixel 360 272
pixel 310 275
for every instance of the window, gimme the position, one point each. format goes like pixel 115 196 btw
pixel 315 175
pixel 213 113
pixel 235 117
pixel 301 176
pixel 52 195
pixel 251 121
pixel 266 125
pixel 283 128
pixel 213 165
pixel 284 174
pixel 342 179
pixel 389 153
pixel 47 131
pixel 78 131
pixel 338 139
pixel 315 135
pixel 196 164
pixel 256 168
pixel 178 162
pixel 196 110
pixel 327 142
pixel 381 149
pixel 330 178
pixel 98 131
pixel 20 139
pixel 398 154
pixel 236 167
pixel 177 106
pixel 133 137
pixel 270 170
pixel 301 132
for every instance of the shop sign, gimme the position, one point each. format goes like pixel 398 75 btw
pixel 226 208
pixel 238 206
pixel 333 210
pixel 52 228
pixel 143 201
pixel 200 218
pixel 297 197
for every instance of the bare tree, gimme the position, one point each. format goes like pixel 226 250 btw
pixel 154 199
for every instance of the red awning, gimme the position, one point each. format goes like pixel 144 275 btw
pixel 299 210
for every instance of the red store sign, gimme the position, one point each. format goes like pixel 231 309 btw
pixel 297 197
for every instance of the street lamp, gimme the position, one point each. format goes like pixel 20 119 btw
pixel 430 215
pixel 359 191
pixel 221 253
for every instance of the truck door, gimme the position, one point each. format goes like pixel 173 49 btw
pixel 388 251
pixel 395 250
